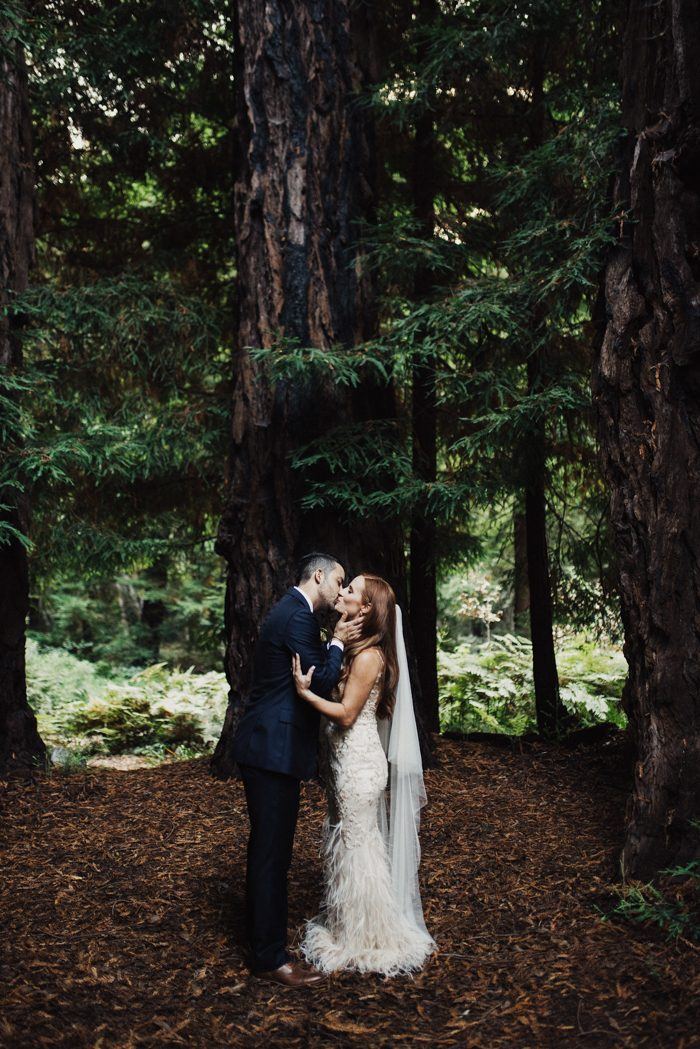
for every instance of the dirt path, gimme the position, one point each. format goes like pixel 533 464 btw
pixel 121 916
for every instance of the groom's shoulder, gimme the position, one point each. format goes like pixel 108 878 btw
pixel 288 606
pixel 283 617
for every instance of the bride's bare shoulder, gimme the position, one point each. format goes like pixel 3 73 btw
pixel 367 663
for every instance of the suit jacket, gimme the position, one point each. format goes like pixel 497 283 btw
pixel 277 730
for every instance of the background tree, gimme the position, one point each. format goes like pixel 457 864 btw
pixel 20 744
pixel 494 361
pixel 303 183
pixel 460 230
pixel 647 392
pixel 128 330
pixel 423 542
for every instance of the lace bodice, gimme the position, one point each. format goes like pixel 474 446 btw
pixel 352 757
pixel 369 710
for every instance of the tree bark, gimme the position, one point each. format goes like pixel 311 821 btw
pixel 305 178
pixel 423 553
pixel 646 387
pixel 20 744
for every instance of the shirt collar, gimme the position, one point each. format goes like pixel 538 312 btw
pixel 307 598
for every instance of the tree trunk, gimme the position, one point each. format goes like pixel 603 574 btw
pixel 544 664
pixel 305 177
pixel 548 705
pixel 521 589
pixel 153 609
pixel 20 744
pixel 423 556
pixel 647 391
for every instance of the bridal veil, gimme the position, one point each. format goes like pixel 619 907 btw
pixel 400 825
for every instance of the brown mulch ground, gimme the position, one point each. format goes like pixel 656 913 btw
pixel 122 922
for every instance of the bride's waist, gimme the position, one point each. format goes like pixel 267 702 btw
pixel 362 734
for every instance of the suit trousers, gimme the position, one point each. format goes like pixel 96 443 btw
pixel 273 806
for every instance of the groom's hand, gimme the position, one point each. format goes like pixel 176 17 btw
pixel 348 630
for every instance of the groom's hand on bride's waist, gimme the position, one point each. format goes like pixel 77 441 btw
pixel 347 630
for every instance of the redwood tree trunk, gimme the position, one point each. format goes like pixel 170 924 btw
pixel 423 556
pixel 647 391
pixel 305 177
pixel 20 744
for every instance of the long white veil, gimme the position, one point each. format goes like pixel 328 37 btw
pixel 400 826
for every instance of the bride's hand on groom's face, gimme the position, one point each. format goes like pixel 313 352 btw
pixel 302 681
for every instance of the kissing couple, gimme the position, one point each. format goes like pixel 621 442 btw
pixel 344 708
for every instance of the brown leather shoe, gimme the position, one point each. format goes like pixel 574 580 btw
pixel 293 974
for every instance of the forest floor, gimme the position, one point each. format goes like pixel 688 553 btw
pixel 122 915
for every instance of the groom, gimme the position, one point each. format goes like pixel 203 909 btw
pixel 275 747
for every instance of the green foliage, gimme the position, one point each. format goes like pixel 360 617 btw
pixel 489 687
pixel 522 165
pixel 285 358
pixel 70 760
pixel 116 427
pixel 673 906
pixel 153 711
pixel 58 684
pixel 13 15
pixel 105 620
pixel 91 427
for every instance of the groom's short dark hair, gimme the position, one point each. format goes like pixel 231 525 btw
pixel 310 563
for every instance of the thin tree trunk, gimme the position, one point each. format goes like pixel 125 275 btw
pixel 423 555
pixel 521 589
pixel 20 743
pixel 647 391
pixel 544 665
pixel 305 178
pixel 549 709
pixel 153 609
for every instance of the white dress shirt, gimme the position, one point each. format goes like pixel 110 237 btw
pixel 335 641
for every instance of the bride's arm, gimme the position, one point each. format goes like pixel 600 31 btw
pixel 362 675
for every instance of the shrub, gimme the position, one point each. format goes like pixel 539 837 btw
pixel 673 906
pixel 156 706
pixel 489 687
pixel 86 710
pixel 58 684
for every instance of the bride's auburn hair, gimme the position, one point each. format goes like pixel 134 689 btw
pixel 378 631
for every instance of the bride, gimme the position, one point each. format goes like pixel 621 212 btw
pixel 371 918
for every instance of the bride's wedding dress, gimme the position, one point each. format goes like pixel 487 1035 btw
pixel 361 924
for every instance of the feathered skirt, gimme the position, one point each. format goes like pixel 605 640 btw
pixel 359 925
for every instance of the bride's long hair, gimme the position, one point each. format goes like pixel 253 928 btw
pixel 378 630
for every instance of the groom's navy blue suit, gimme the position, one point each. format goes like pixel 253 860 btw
pixel 276 747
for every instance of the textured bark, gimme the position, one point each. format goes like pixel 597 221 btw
pixel 423 556
pixel 305 177
pixel 20 744
pixel 647 391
